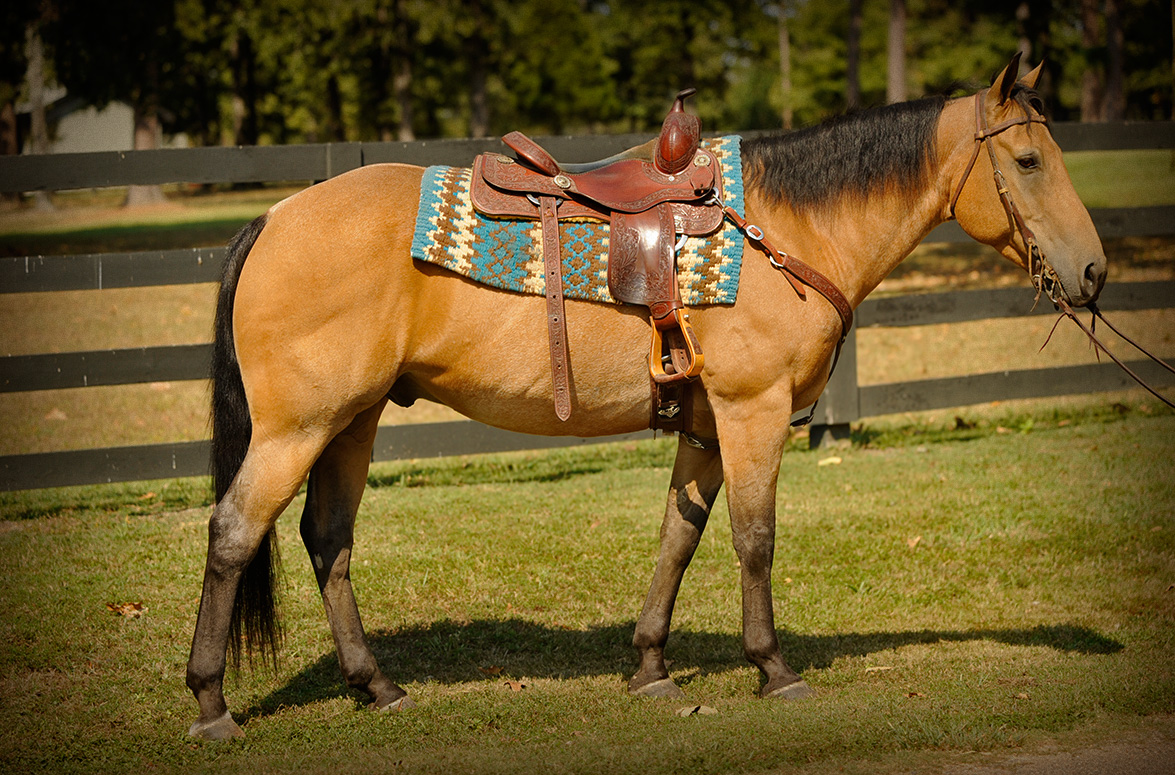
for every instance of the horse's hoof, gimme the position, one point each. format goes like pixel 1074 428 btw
pixel 395 706
pixel 793 691
pixel 223 728
pixel 662 688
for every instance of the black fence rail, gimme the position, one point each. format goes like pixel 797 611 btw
pixel 844 401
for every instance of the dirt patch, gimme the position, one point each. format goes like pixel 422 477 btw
pixel 1149 750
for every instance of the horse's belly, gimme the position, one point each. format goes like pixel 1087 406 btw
pixel 492 363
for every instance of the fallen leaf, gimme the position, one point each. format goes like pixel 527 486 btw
pixel 129 610
pixel 1022 696
pixel 491 670
pixel 1157 529
pixel 146 496
pixel 787 580
pixel 830 461
pixel 515 686
pixel 878 669
pixel 697 710
pixel 912 542
pixel 915 694
pixel 56 414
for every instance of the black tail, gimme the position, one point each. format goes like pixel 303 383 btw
pixel 255 607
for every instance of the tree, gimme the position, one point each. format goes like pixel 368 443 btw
pixel 120 50
pixel 38 129
pixel 853 59
pixel 1091 76
pixel 895 90
pixel 1114 108
pixel 785 67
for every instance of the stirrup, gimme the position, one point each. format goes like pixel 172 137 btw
pixel 691 352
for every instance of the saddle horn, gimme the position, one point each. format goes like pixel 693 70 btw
pixel 680 135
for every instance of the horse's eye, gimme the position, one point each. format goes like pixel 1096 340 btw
pixel 1027 162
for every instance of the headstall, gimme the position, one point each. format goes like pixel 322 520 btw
pixel 1044 277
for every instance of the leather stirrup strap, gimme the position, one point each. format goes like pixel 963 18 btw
pixel 556 321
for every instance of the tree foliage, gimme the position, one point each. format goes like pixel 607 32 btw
pixel 280 71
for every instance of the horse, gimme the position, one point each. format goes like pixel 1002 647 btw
pixel 329 318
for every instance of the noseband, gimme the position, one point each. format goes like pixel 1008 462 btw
pixel 1044 278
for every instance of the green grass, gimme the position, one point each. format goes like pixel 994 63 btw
pixel 948 591
pixel 1123 178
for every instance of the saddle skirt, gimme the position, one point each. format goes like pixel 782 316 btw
pixel 508 254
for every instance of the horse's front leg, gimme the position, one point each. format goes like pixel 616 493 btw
pixel 751 450
pixel 697 477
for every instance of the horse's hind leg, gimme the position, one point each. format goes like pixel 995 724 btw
pixel 697 477
pixel 328 530
pixel 269 477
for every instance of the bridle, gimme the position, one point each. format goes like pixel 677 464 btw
pixel 1044 277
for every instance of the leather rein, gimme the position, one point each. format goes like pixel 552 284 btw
pixel 1044 278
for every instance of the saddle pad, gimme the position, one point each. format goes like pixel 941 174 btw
pixel 508 254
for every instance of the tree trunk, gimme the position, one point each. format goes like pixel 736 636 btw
pixel 402 69
pixel 1023 20
pixel 1115 105
pixel 147 135
pixel 245 126
pixel 895 87
pixel 853 58
pixel 1091 81
pixel 785 67
pixel 9 145
pixel 477 48
pixel 38 129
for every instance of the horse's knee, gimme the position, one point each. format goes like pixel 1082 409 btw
pixel 755 548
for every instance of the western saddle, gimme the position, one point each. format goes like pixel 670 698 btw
pixel 649 195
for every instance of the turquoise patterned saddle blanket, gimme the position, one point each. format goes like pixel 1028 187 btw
pixel 509 254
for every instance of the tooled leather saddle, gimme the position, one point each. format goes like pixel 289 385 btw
pixel 650 195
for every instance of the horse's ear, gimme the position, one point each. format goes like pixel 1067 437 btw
pixel 1004 82
pixel 1031 79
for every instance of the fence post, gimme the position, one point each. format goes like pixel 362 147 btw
pixel 840 403
pixel 343 157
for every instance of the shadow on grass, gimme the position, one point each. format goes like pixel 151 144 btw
pixel 451 652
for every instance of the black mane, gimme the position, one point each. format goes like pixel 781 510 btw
pixel 857 154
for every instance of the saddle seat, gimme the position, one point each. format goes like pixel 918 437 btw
pixel 649 195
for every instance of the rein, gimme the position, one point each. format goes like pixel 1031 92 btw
pixel 1044 277
pixel 1067 311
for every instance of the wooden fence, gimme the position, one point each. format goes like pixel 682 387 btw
pixel 844 400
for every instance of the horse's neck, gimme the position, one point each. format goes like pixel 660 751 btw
pixel 866 238
pixel 858 242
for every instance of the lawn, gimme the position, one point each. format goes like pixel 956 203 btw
pixel 946 590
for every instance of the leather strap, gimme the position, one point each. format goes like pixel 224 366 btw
pixel 556 320
pixel 531 152
pixel 797 272
pixel 982 132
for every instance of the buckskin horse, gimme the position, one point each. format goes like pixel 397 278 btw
pixel 329 318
